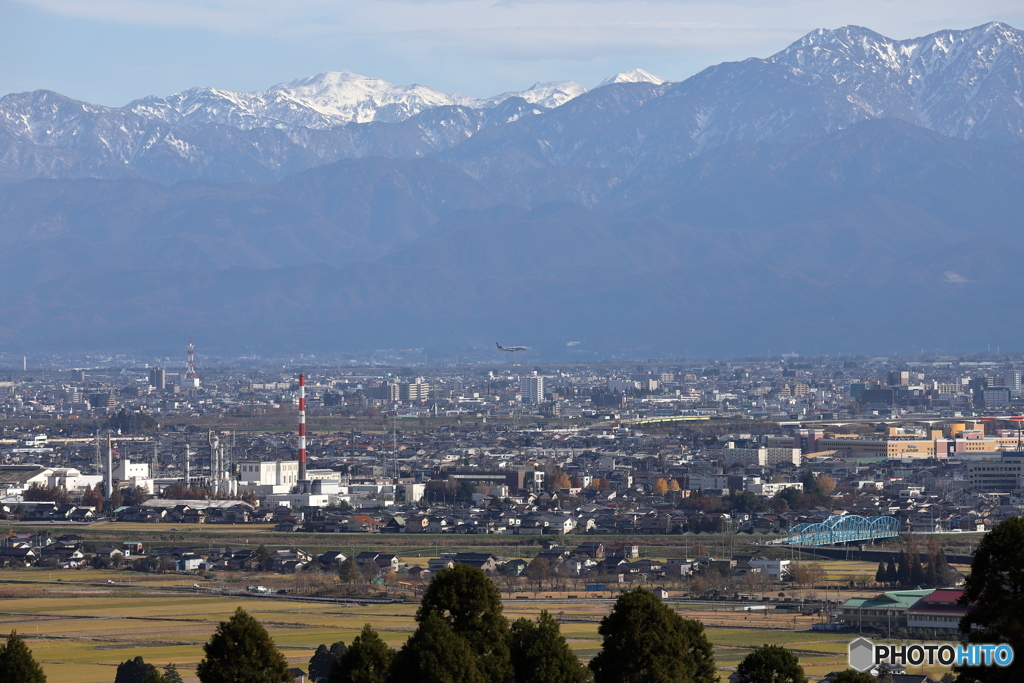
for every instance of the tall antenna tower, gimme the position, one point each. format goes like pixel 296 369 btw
pixel 190 367
pixel 302 426
pixel 109 473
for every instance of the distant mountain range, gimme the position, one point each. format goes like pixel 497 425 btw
pixel 848 193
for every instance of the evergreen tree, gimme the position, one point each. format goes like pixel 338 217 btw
pixel 771 664
pixel 241 651
pixel 471 604
pixel 891 573
pixel 701 651
pixel 943 572
pixel 541 655
pixel 263 558
pixel 917 577
pixel 931 572
pixel 366 660
pixel 995 588
pixel 154 676
pixel 171 673
pixel 17 664
pixel 323 659
pixel 348 572
pixel 435 654
pixel 645 641
pixel 880 575
pixel 903 569
pixel 134 671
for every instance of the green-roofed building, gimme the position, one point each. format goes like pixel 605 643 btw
pixel 880 612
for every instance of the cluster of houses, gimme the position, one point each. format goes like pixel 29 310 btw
pixel 617 562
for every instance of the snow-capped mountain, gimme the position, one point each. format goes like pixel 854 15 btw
pixel 548 94
pixel 878 166
pixel 633 76
pixel 964 84
pixel 327 100
pixel 960 83
pixel 321 101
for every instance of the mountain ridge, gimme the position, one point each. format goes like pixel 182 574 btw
pixel 850 192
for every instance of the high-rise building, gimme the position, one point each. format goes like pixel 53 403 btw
pixel 158 378
pixel 532 390
pixel 385 391
pixel 1013 381
pixel 898 378
pixel 417 390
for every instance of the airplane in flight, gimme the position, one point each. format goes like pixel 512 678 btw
pixel 511 349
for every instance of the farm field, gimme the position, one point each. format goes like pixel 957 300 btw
pixel 81 627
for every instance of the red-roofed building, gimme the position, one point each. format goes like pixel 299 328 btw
pixel 938 612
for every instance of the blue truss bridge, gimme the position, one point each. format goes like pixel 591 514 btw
pixel 843 529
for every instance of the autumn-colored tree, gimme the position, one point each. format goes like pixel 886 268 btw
pixel 704 503
pixel 559 480
pixel 54 494
pixel 93 497
pixel 826 483
pixel 807 573
pixel 660 487
pixel 673 485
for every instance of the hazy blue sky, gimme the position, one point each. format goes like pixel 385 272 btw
pixel 112 51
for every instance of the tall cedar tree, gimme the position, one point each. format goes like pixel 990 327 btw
pixel 471 604
pixel 133 671
pixel 17 664
pixel 323 659
pixel 903 569
pixel 771 664
pixel 541 655
pixel 647 642
pixel 917 576
pixel 943 572
pixel 367 660
pixel 892 574
pixel 880 574
pixel 241 651
pixel 995 587
pixel 434 653
pixel 172 674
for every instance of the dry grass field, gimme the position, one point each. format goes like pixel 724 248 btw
pixel 80 626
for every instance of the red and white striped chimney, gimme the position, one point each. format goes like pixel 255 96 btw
pixel 302 427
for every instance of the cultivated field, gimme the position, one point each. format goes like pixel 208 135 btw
pixel 80 626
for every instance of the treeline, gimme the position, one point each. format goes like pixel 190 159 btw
pixel 908 571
